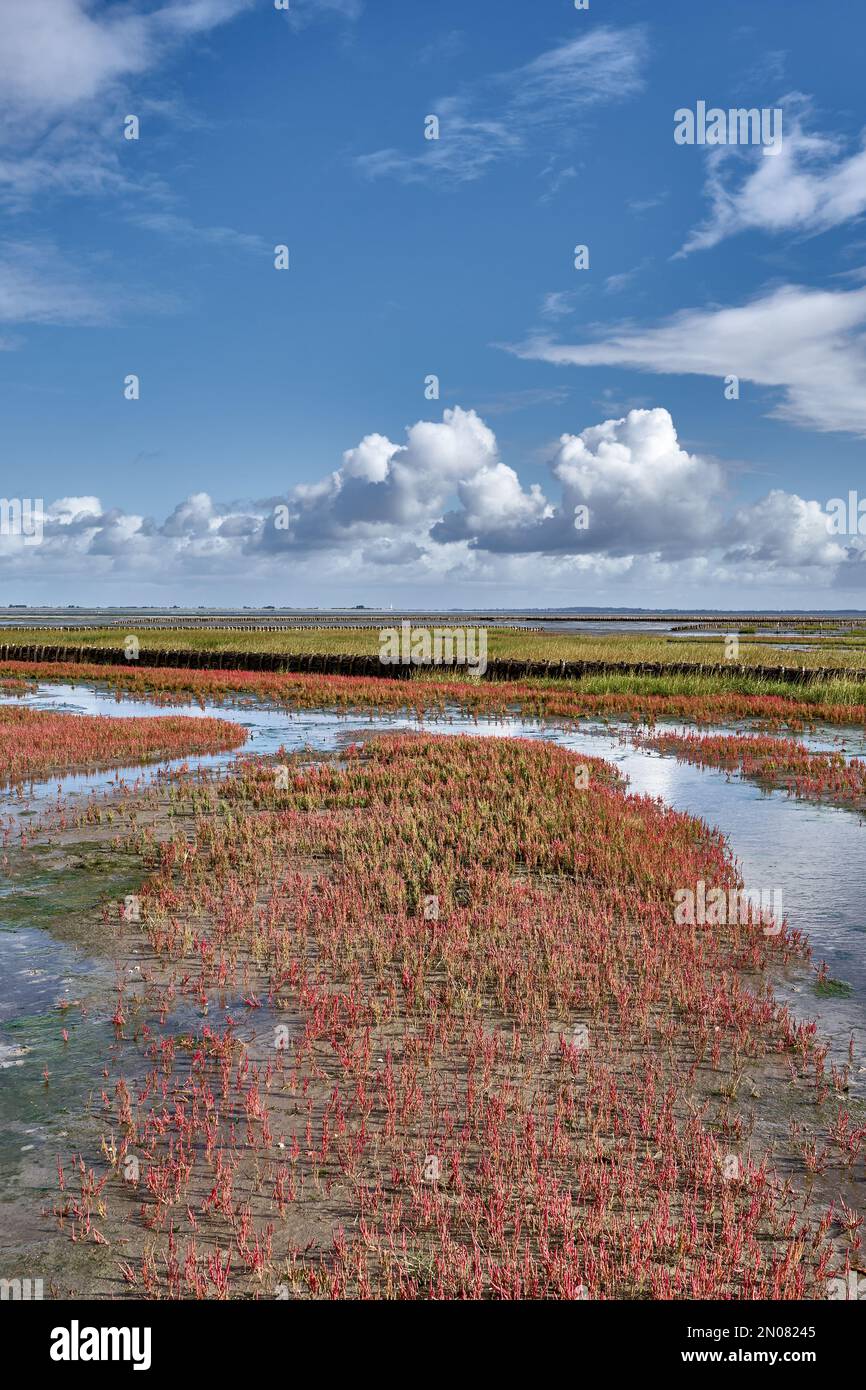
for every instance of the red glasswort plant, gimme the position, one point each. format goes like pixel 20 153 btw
pixel 452 1043
pixel 527 698
pixel 36 743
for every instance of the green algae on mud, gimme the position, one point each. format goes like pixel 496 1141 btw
pixel 829 988
pixel 58 887
pixel 61 897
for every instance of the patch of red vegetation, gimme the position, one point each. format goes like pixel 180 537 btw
pixel 38 743
pixel 777 762
pixel 530 699
pixel 482 1057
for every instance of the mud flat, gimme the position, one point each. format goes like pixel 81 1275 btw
pixel 293 1077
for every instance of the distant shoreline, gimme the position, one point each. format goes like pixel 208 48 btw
pixel 81 615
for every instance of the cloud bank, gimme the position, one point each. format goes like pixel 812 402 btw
pixel 443 508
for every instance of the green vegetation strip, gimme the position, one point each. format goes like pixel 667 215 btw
pixel 615 651
pixel 355 664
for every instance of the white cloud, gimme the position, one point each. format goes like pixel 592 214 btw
pixel 65 70
pixel 784 530
pixel 68 510
pixel 39 285
pixel 615 284
pixel 182 229
pixel 56 55
pixel 557 304
pixel 503 114
pixel 443 514
pixel 384 487
pixel 808 343
pixel 809 186
pixel 493 505
pixel 643 491
pixel 65 164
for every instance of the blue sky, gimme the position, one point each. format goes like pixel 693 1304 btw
pixel 558 387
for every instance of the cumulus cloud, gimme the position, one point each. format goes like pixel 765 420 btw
pixel 495 512
pixel 808 343
pixel 502 115
pixel 443 509
pixel 809 186
pixel 70 511
pixel 784 530
pixel 382 486
pixel 641 490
